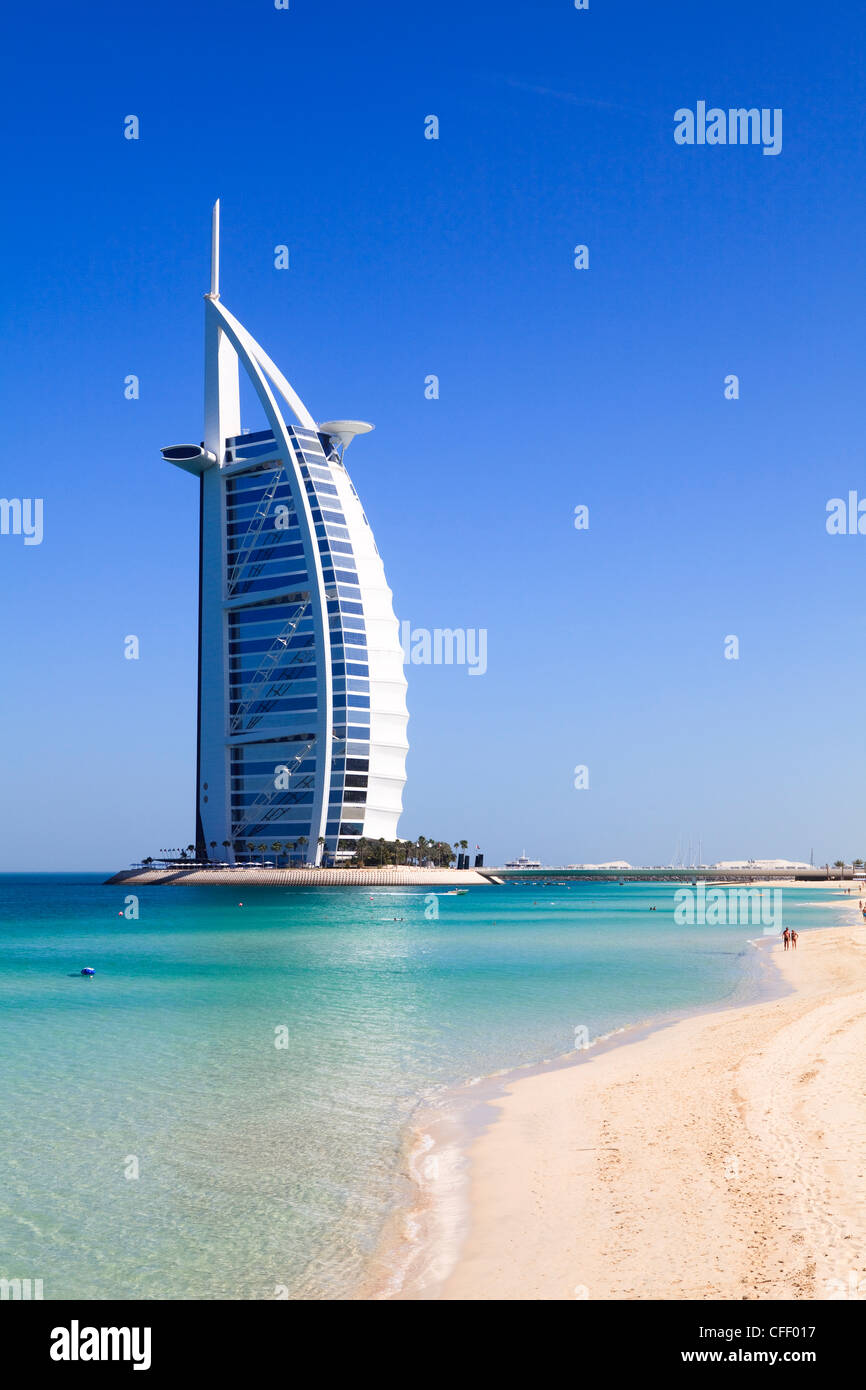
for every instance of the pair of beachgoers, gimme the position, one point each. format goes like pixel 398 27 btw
pixel 789 936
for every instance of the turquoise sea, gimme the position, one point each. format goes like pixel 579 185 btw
pixel 261 1168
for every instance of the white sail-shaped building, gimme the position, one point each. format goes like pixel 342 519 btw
pixel 302 695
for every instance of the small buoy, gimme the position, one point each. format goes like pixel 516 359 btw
pixel 240 904
pixel 88 970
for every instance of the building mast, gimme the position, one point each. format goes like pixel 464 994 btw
pixel 215 252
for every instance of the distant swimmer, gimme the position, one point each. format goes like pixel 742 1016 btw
pixel 793 939
pixel 786 937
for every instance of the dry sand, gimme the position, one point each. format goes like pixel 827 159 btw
pixel 723 1157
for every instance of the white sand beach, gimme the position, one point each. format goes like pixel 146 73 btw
pixel 721 1157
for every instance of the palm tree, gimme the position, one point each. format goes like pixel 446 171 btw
pixel 839 864
pixel 213 845
pixel 302 843
pixel 322 843
pixel 227 844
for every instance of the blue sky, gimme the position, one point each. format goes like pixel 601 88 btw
pixel 558 387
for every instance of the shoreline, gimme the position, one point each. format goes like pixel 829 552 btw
pixel 240 877
pixel 651 1164
pixel 422 1237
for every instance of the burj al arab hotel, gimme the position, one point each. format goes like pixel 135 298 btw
pixel 301 690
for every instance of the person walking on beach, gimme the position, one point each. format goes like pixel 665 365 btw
pixel 793 939
pixel 785 937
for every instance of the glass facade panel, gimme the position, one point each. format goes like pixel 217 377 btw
pixel 275 671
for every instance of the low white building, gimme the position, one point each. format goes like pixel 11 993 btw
pixel 762 864
pixel 612 864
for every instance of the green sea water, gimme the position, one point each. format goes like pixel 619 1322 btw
pixel 158 1141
